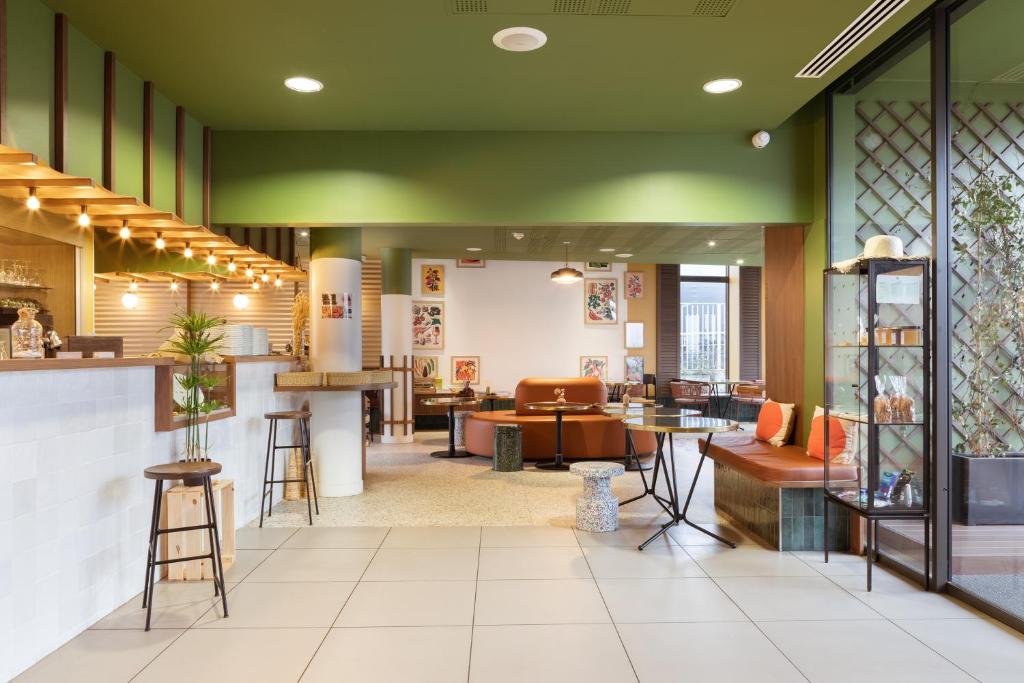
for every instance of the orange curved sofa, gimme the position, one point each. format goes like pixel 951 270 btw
pixel 585 435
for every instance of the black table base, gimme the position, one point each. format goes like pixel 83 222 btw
pixel 557 464
pixel 451 452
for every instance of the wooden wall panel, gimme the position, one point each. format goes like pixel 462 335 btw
pixel 371 293
pixel 668 327
pixel 269 307
pixel 143 328
pixel 784 318
pixel 750 323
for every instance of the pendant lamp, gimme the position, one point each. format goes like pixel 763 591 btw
pixel 566 275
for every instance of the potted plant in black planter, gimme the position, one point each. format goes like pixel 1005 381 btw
pixel 196 339
pixel 988 466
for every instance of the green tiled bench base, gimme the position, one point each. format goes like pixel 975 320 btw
pixel 784 518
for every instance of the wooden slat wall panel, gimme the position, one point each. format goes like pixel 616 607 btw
pixel 270 307
pixel 668 327
pixel 750 323
pixel 784 318
pixel 141 328
pixel 371 311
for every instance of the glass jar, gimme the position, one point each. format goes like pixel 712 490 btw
pixel 27 335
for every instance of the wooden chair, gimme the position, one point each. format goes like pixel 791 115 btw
pixel 748 394
pixel 692 394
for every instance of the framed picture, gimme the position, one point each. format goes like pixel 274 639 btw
pixel 598 266
pixel 428 324
pixel 470 263
pixel 425 367
pixel 594 366
pixel 634 335
pixel 465 368
pixel 634 285
pixel 600 301
pixel 432 279
pixel 634 368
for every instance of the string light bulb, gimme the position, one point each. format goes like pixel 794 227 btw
pixel 265 277
pixel 125 232
pixel 256 285
pixel 130 300
pixel 133 286
pixel 241 301
pixel 248 271
pixel 174 285
pixel 215 285
pixel 83 218
pixel 232 267
pixel 212 259
pixel 278 281
pixel 160 242
pixel 33 201
pixel 188 250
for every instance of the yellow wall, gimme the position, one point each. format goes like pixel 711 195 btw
pixel 645 310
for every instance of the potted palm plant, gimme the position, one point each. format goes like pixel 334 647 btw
pixel 197 339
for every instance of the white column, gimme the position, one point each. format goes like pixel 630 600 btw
pixel 337 346
pixel 396 341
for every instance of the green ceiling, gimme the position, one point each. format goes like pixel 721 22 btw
pixel 417 65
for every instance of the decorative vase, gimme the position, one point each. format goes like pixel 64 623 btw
pixel 27 335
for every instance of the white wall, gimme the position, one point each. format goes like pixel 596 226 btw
pixel 520 323
pixel 74 506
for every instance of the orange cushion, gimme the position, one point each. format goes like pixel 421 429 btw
pixel 775 422
pixel 842 438
pixel 775 465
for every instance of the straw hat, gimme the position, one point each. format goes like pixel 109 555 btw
pixel 879 246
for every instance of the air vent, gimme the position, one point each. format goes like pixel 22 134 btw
pixel 571 7
pixel 713 8
pixel 1014 74
pixel 469 6
pixel 612 6
pixel 853 35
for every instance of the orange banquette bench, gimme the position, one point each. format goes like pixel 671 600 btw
pixel 585 435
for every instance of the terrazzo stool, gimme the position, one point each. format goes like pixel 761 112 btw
pixel 460 428
pixel 508 448
pixel 597 509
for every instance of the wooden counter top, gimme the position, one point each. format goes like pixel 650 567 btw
pixel 260 359
pixel 344 387
pixel 28 364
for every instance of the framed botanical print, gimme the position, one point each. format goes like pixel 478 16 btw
pixel 634 285
pixel 594 366
pixel 465 368
pixel 470 263
pixel 428 324
pixel 600 301
pixel 634 335
pixel 598 266
pixel 425 367
pixel 634 369
pixel 432 279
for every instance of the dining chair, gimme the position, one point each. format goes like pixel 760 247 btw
pixel 692 394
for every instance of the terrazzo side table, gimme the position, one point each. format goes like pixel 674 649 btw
pixel 508 448
pixel 460 428
pixel 597 509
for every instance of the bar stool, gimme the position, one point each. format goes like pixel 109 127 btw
pixel 308 477
pixel 203 470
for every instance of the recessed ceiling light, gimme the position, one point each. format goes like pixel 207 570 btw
pixel 304 233
pixel 303 84
pixel 712 243
pixel 473 249
pixel 608 251
pixel 739 262
pixel 520 39
pixel 623 255
pixel 722 85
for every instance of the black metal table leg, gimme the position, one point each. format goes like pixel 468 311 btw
pixel 451 452
pixel 557 463
pixel 632 461
pixel 689 496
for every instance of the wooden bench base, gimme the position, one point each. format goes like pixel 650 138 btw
pixel 782 518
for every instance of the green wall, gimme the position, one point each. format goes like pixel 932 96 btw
pixel 509 177
pixel 29 124
pixel 815 261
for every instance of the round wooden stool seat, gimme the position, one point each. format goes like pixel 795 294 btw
pixel 183 470
pixel 288 415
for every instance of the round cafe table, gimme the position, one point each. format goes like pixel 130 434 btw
pixel 451 402
pixel 558 409
pixel 665 426
pixel 492 397
pixel 640 408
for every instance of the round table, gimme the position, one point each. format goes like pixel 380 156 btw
pixel 639 408
pixel 665 425
pixel 451 402
pixel 558 409
pixel 492 397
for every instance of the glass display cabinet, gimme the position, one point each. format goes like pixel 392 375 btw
pixel 877 395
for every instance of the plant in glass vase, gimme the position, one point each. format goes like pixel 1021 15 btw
pixel 196 338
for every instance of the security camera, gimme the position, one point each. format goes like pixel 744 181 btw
pixel 760 139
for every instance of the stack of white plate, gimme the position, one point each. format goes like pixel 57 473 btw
pixel 237 340
pixel 260 341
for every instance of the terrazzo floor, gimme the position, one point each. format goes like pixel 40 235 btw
pixel 458 589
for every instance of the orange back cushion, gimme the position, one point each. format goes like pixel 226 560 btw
pixel 775 422
pixel 577 390
pixel 842 437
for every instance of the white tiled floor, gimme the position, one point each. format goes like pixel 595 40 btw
pixel 538 603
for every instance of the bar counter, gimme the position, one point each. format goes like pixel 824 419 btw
pixel 75 435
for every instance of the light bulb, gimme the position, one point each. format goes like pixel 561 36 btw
pixel 231 266
pixel 278 281
pixel 212 259
pixel 174 285
pixel 256 285
pixel 160 242
pixel 133 285
pixel 188 251
pixel 240 301
pixel 125 232
pixel 130 300
pixel 33 201
pixel 248 272
pixel 215 285
pixel 83 218
pixel 711 243
pixel 739 262
pixel 265 277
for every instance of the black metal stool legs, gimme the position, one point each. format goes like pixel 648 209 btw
pixel 217 565
pixel 270 469
pixel 308 454
pixel 153 526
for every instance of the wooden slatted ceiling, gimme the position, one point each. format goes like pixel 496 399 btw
pixel 750 323
pixel 371 311
pixel 668 327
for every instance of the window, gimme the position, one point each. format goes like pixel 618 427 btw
pixel 703 321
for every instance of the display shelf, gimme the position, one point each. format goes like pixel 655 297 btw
pixel 35 288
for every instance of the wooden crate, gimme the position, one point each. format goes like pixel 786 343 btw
pixel 184 506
